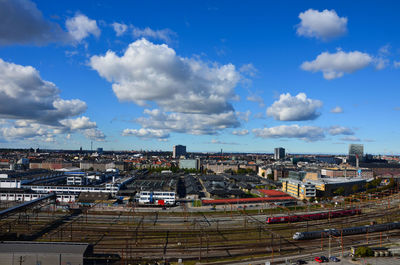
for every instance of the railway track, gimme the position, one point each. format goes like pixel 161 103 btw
pixel 197 236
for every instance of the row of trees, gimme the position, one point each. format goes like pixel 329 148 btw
pixel 241 171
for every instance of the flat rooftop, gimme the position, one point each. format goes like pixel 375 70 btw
pixel 42 247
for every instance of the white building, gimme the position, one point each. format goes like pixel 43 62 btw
pixel 157 197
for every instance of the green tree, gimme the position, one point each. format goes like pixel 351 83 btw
pixel 364 252
pixel 339 191
pixel 354 188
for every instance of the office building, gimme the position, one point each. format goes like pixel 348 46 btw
pixel 178 151
pixel 356 154
pixel 279 153
pixel 189 164
pixel 356 149
pixel 299 189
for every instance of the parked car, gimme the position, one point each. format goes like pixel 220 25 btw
pixel 318 259
pixel 301 262
pixel 324 259
pixel 334 259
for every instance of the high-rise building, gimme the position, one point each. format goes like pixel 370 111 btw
pixel 356 149
pixel 356 154
pixel 279 153
pixel 178 151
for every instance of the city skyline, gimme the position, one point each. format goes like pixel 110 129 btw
pixel 208 75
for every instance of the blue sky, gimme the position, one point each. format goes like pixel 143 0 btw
pixel 245 76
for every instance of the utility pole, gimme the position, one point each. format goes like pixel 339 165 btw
pixel 341 240
pixel 330 239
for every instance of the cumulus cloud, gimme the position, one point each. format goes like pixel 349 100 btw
pixel 23 131
pixel 191 96
pixel 339 130
pixel 240 132
pixel 145 133
pixel 306 133
pixel 25 95
pixel 94 134
pixel 323 25
pixel 337 109
pixel 22 23
pixel 80 27
pixel 28 129
pixel 119 28
pixel 197 124
pixel 154 73
pixel 294 108
pixel 162 34
pixel 80 123
pixel 35 105
pixel 335 65
pixel 257 99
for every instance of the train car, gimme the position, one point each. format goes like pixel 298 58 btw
pixel 346 231
pixel 313 216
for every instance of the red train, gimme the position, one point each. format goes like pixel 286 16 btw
pixel 313 216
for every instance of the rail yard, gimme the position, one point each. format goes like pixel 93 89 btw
pixel 132 236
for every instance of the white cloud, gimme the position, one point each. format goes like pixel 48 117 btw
pixel 294 108
pixel 323 25
pixel 381 63
pixel 119 28
pixel 80 27
pixel 94 134
pixel 351 139
pixel 337 109
pixel 306 133
pixel 396 64
pixel 196 124
pixel 154 73
pixel 22 23
pixel 50 139
pixel 162 34
pixel 334 65
pixel 35 106
pixel 24 95
pixel 146 133
pixel 257 99
pixel 339 130
pixel 240 132
pixel 248 69
pixel 23 131
pixel 80 123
